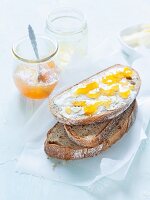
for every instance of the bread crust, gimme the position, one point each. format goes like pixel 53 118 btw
pixel 58 151
pixel 104 116
pixel 87 141
pixel 94 140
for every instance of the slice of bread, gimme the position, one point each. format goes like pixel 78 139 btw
pixel 91 135
pixel 64 109
pixel 58 145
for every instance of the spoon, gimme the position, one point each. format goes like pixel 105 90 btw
pixel 35 48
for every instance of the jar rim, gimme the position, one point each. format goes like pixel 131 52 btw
pixel 46 58
pixel 52 27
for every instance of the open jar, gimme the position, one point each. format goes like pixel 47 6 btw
pixel 69 27
pixel 34 78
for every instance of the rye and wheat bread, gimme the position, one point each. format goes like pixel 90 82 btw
pixel 101 117
pixel 91 135
pixel 58 145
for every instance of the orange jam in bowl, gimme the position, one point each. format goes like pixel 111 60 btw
pixel 35 86
pixel 35 76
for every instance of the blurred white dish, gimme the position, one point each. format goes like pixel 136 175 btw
pixel 135 40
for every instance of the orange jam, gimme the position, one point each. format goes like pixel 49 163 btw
pixel 118 76
pixel 36 86
pixel 68 110
pixel 111 80
pixel 87 88
pixel 125 94
pixel 94 96
pixel 128 72
pixel 92 108
pixel 79 103
pixel 111 91
pixel 104 92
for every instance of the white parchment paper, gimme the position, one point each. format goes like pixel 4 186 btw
pixel 111 163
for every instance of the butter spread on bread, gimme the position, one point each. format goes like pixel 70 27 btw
pixel 112 89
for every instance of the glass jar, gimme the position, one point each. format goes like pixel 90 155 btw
pixel 34 78
pixel 69 27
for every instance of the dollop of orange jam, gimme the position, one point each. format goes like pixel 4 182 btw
pixel 79 103
pixel 125 94
pixel 87 88
pixel 111 79
pixel 93 95
pixel 118 76
pixel 104 92
pixel 106 104
pixel 92 108
pixel 128 72
pixel 111 91
pixel 68 110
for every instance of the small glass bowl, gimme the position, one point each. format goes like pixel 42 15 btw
pixel 34 78
pixel 69 27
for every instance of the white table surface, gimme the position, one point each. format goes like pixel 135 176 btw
pixel 105 19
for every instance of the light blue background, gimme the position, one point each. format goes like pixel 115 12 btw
pixel 105 19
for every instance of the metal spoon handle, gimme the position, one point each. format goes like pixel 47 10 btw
pixel 33 41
